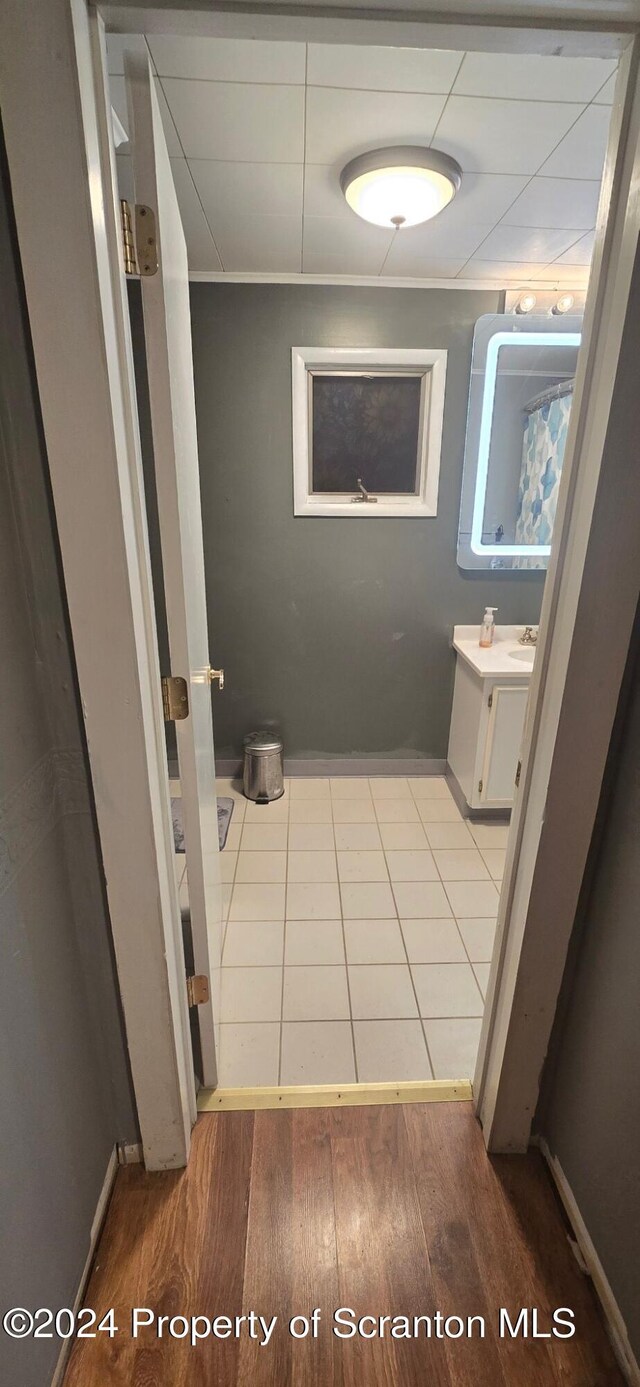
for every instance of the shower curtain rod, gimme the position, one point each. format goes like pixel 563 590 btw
pixel 555 392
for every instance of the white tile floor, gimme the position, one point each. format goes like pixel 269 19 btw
pixel 360 923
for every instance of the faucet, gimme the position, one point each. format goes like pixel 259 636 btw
pixel 529 636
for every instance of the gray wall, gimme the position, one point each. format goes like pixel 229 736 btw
pixel 64 1085
pixel 335 631
pixel 590 1104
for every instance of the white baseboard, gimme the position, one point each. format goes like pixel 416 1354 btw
pixel 130 1153
pixel 96 1229
pixel 346 765
pixel 616 1325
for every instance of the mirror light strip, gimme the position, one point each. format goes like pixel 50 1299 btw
pixel 504 339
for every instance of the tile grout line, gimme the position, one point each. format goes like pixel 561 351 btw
pixel 447 100
pixel 284 934
pixel 404 942
pixel 311 1021
pixel 385 91
pixel 233 887
pixel 344 943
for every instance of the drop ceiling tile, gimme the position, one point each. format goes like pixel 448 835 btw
pixel 537 245
pixel 606 94
pixel 341 124
pixel 564 276
pixel 228 60
pixel 580 253
pixel 506 272
pixel 531 77
pixel 238 120
pixel 337 236
pixel 347 262
pixel 490 136
pixel 437 240
pixel 483 198
pixel 118 93
pixel 556 202
pixel 381 69
pixel 168 124
pixel 581 153
pixel 421 267
pixel 259 244
pixel 244 189
pixel 323 195
pixel 201 251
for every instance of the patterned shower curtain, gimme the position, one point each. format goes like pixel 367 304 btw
pixel 545 436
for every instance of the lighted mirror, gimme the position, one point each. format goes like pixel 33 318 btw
pixel 522 378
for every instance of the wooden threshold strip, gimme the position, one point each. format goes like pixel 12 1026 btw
pixel 333 1096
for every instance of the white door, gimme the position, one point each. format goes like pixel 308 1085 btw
pixel 504 739
pixel 167 325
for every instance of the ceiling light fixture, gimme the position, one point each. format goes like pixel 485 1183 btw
pixel 564 305
pixel 400 186
pixel 526 303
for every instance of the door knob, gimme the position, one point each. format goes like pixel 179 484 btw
pixel 213 674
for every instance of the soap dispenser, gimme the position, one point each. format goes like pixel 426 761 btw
pixel 488 627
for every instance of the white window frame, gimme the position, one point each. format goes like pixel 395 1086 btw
pixel 431 364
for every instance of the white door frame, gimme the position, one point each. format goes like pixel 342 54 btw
pixel 76 299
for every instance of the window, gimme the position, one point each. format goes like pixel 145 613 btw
pixel 367 429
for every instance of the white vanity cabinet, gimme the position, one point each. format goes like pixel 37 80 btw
pixel 487 721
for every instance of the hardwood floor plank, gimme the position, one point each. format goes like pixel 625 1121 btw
pixel 269 1253
pixel 382 1255
pixel 164 1233
pixel 314 1249
pixel 390 1210
pixel 535 1207
pixel 459 1285
pixel 221 1267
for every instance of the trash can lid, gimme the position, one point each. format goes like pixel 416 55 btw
pixel 262 741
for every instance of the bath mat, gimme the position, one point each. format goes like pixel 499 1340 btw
pixel 225 810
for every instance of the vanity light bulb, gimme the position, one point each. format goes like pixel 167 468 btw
pixel 526 303
pixel 564 305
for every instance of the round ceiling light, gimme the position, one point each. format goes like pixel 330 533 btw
pixel 400 186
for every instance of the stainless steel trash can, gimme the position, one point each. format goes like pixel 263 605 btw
pixel 263 767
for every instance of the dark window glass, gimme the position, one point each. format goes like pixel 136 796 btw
pixel 367 427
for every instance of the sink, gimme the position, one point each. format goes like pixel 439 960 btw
pixel 525 656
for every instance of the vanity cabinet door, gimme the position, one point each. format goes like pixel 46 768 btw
pixel 502 746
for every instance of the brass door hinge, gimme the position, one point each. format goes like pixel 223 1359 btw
pixel 480 785
pixel 146 243
pixel 128 244
pixel 139 253
pixel 197 990
pixel 175 698
pixel 518 773
pixel 490 701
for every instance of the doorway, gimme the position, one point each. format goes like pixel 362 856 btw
pixel 597 307
pixel 360 910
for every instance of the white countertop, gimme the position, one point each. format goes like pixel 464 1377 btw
pixel 503 658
